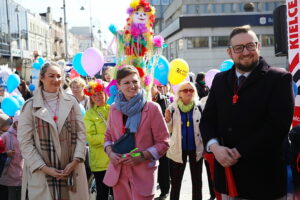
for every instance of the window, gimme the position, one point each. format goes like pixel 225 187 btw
pixel 227 7
pixel 180 44
pixel 197 42
pixel 197 8
pixel 165 2
pixel 155 2
pixel 267 40
pixel 219 41
pixel 269 6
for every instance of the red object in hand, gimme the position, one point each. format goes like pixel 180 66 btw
pixel 211 159
pixel 232 191
pixel 2 146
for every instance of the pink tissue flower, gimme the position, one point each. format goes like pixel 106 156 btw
pixel 148 80
pixel 158 41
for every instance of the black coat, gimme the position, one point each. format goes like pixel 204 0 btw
pixel 256 126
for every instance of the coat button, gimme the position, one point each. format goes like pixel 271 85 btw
pixel 197 120
pixel 229 129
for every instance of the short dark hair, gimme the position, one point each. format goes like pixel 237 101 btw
pixel 238 30
pixel 200 77
pixel 125 71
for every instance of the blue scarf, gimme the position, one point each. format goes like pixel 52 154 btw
pixel 132 108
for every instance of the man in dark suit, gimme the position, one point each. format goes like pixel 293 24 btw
pixel 247 116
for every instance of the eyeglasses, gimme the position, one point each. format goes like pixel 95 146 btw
pixel 187 90
pixel 251 46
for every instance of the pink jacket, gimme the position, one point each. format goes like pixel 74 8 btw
pixel 152 135
pixel 12 175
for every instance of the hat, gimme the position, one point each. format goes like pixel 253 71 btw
pixel 5 120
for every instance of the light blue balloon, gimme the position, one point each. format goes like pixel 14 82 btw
pixel 36 65
pixel 20 99
pixel 13 81
pixel 10 106
pixel 226 65
pixel 161 70
pixel 41 61
pixel 31 87
pixel 82 110
pixel 295 89
pixel 77 64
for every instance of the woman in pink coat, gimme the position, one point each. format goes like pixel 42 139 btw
pixel 134 177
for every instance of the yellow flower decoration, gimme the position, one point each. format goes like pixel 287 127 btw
pixel 152 10
pixel 134 3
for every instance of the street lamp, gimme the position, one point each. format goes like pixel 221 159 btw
pixel 19 30
pixel 66 33
pixel 91 23
pixel 9 36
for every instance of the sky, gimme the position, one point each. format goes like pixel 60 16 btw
pixel 104 12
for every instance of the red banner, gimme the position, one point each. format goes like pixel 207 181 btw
pixel 293 25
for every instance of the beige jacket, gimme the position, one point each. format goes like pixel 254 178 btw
pixel 174 126
pixel 33 179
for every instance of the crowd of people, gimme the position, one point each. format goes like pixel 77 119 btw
pixel 50 150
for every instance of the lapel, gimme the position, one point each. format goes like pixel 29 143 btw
pixel 117 117
pixel 256 74
pixel 41 112
pixel 65 106
pixel 144 114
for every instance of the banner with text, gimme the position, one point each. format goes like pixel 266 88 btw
pixel 293 25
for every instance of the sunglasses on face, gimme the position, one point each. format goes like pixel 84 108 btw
pixel 187 90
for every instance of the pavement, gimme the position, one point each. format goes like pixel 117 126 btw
pixel 186 186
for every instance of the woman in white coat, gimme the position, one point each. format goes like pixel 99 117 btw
pixel 52 142
pixel 183 118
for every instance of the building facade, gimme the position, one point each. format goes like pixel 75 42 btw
pixel 198 31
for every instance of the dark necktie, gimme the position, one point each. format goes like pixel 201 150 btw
pixel 241 80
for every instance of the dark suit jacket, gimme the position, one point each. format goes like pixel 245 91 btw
pixel 256 125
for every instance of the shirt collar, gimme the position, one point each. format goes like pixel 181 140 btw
pixel 238 74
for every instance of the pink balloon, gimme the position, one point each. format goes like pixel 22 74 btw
pixel 175 88
pixel 92 61
pixel 210 75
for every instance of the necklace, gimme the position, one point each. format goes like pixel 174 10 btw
pixel 55 118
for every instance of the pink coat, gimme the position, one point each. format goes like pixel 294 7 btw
pixel 152 133
pixel 13 173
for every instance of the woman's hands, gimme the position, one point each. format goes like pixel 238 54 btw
pixel 132 161
pixel 60 174
pixel 114 157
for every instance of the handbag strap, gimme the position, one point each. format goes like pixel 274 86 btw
pixel 100 115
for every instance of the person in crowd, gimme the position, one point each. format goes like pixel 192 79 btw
pixel 163 168
pixel 5 123
pixel 133 175
pixel 202 89
pixel 183 118
pixel 107 74
pixel 51 134
pixel 3 93
pixel 26 94
pixel 246 118
pixel 77 86
pixel 12 175
pixel 95 120
pixel 66 86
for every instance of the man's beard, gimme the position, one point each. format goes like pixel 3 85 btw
pixel 246 68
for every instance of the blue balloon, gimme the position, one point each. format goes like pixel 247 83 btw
pixel 82 110
pixel 20 99
pixel 36 65
pixel 41 61
pixel 161 70
pixel 13 81
pixel 77 64
pixel 295 89
pixel 226 65
pixel 31 87
pixel 10 106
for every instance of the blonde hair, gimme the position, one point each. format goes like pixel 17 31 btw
pixel 195 94
pixel 78 81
